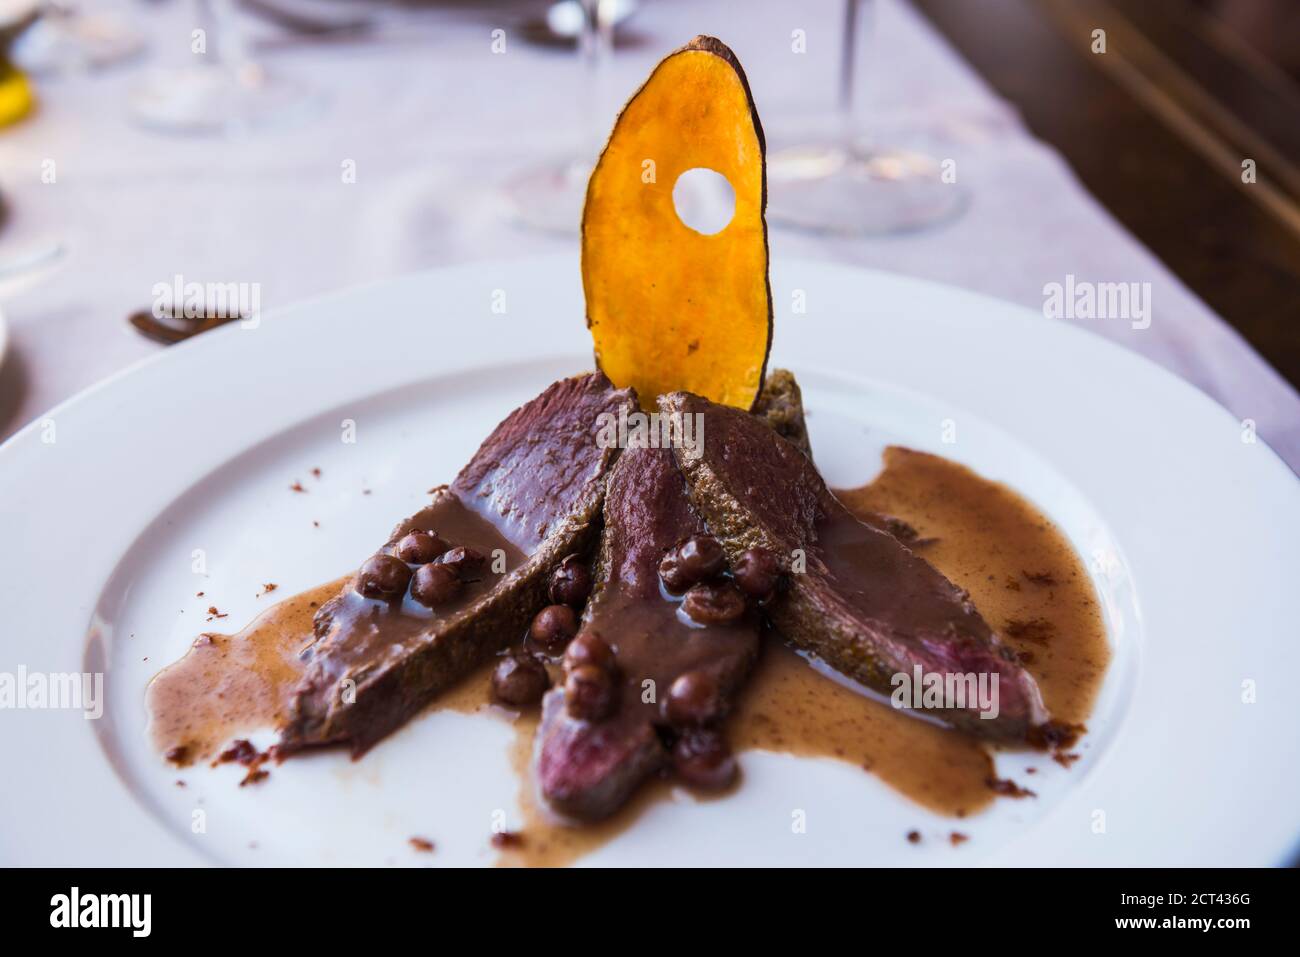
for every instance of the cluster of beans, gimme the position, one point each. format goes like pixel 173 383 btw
pixel 711 594
pixel 694 706
pixel 521 678
pixel 697 570
pixel 434 571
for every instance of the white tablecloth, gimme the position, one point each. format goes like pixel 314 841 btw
pixel 435 122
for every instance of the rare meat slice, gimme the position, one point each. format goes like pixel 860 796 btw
pixel 863 602
pixel 780 405
pixel 592 755
pixel 460 579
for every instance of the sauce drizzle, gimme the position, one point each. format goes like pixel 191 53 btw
pixel 1021 572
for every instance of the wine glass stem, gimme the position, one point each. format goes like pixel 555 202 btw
pixel 848 105
pixel 595 48
pixel 227 46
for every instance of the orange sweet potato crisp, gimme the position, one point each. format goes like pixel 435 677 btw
pixel 670 308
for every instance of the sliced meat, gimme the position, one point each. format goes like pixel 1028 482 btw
pixel 586 771
pixel 780 405
pixel 866 605
pixel 530 496
pixel 586 768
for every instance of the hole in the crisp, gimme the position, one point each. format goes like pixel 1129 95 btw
pixel 704 200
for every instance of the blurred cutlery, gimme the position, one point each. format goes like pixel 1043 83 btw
pixel 27 267
pixel 295 18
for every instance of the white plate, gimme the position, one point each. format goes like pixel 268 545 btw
pixel 1192 537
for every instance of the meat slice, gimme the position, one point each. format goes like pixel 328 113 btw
pixel 865 604
pixel 586 769
pixel 780 405
pixel 530 496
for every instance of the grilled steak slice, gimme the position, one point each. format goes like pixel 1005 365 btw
pixel 866 605
pixel 586 769
pixel 530 496
pixel 780 405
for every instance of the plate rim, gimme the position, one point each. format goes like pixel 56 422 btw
pixel 1010 311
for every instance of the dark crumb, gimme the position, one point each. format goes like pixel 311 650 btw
pixel 901 530
pixel 254 775
pixel 957 838
pixel 315 473
pixel 267 588
pixel 315 524
pixel 1055 735
pixel 365 491
pixel 178 755
pixel 180 783
pixel 198 594
pixel 213 613
pixel 1037 630
pixel 1065 759
pixel 1031 770
pixel 1040 578
pixel 297 487
pixel 241 750
pixel 145 658
pixel 422 844
pixel 914 837
pixel 507 840
pixel 1008 788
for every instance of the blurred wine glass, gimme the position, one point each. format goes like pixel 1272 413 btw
pixel 550 197
pixel 63 37
pixel 845 184
pixel 224 90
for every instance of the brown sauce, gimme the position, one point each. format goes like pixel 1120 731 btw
pixel 790 707
pixel 358 630
pixel 230 685
pixel 1023 576
pixel 549 842
pixel 1021 572
pixel 227 685
pixel 655 645
pixel 544 839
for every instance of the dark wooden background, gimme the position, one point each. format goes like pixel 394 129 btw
pixel 1157 128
